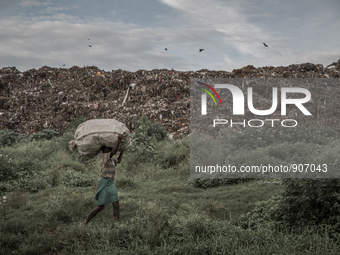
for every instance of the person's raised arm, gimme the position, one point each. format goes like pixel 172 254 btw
pixel 120 157
pixel 115 149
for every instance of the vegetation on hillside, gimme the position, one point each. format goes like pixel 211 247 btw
pixel 47 191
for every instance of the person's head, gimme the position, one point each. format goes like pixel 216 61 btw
pixel 106 149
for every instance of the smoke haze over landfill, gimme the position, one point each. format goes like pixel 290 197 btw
pixel 133 35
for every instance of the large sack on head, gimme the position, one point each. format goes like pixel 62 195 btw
pixel 91 135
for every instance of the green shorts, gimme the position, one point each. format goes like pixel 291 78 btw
pixel 106 192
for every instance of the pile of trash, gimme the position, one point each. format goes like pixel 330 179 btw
pixel 49 98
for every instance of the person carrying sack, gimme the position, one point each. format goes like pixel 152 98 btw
pixel 106 190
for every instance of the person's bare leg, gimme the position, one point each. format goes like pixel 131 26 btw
pixel 116 210
pixel 93 213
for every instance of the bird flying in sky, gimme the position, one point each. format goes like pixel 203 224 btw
pixel 166 49
pixel 265 45
pixel 90 46
pixel 201 50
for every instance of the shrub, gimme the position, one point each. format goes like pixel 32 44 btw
pixel 265 212
pixel 76 179
pixel 8 137
pixel 20 172
pixel 143 149
pixel 172 152
pixel 76 121
pixel 46 134
pixel 311 202
pixel 315 201
pixel 304 203
pixel 251 138
pixel 28 157
pixel 152 128
pixel 216 182
pixel 74 165
pixel 7 167
pixel 125 183
pixel 32 183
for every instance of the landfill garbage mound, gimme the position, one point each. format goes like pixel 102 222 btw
pixel 49 98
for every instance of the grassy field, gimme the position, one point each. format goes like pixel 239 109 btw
pixel 49 192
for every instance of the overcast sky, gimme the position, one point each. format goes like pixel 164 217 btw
pixel 132 34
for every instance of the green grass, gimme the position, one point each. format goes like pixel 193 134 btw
pixel 161 217
pixel 161 212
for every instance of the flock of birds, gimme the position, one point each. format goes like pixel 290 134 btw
pixel 199 49
pixel 166 49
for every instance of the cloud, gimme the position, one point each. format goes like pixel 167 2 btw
pixel 53 10
pixel 227 59
pixel 229 39
pixel 30 3
pixel 55 40
pixel 234 30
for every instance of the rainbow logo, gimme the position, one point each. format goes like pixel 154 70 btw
pixel 213 90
